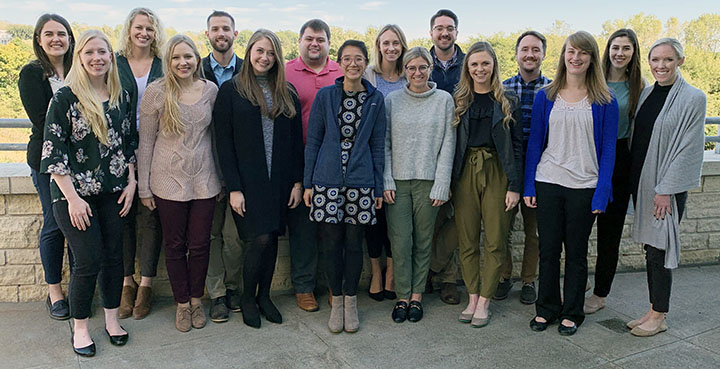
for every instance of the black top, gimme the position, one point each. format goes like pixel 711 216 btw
pixel 481 112
pixel 241 151
pixel 35 94
pixel 642 131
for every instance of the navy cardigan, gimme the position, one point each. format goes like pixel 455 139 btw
pixel 605 126
pixel 365 167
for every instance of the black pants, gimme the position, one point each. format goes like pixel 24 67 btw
pixel 303 249
pixel 564 216
pixel 96 249
pixel 343 248
pixel 377 237
pixel 660 278
pixel 610 223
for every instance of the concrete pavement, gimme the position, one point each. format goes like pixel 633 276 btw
pixel 29 339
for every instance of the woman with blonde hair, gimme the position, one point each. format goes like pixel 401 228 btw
pixel 487 175
pixel 259 144
pixel 387 74
pixel 568 176
pixel 89 151
pixel 139 64
pixel 177 172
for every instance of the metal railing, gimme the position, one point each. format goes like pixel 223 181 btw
pixel 25 123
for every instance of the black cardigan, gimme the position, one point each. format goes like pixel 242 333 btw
pixel 241 151
pixel 35 94
pixel 210 75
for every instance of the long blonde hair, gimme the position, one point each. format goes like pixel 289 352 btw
pixel 464 90
pixel 170 122
pixel 376 64
pixel 125 46
pixel 597 89
pixel 248 87
pixel 90 104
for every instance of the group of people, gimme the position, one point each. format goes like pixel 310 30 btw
pixel 417 153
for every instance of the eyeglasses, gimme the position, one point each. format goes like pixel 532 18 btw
pixel 346 60
pixel 412 69
pixel 442 29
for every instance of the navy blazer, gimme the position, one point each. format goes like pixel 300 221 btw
pixel 605 126
pixel 365 167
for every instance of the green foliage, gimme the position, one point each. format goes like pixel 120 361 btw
pixel 21 31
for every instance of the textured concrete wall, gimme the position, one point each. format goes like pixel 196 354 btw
pixel 21 272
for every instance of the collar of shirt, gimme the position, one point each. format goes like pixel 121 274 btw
pixel 214 64
pixel 540 80
pixel 445 64
pixel 330 66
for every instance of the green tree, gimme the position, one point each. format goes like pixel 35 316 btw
pixel 21 31
pixel 704 32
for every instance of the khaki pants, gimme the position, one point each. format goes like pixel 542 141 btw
pixel 480 197
pixel 226 253
pixel 531 253
pixel 410 228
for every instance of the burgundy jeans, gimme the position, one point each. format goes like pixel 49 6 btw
pixel 186 229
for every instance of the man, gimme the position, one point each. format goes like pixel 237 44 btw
pixel 309 72
pixel 529 53
pixel 224 270
pixel 448 59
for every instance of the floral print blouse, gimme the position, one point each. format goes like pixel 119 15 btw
pixel 71 148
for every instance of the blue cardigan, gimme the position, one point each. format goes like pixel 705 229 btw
pixel 605 126
pixel 366 165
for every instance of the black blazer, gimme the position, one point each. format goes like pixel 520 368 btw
pixel 35 94
pixel 241 152
pixel 210 75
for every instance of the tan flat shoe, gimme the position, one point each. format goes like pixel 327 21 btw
pixel 639 332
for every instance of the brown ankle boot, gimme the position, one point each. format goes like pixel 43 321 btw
pixel 142 303
pixel 127 301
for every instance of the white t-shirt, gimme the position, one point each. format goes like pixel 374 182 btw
pixel 141 85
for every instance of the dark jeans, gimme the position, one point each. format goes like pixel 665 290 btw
pixel 186 229
pixel 343 248
pixel 260 259
pixel 376 236
pixel 564 216
pixel 303 249
pixel 52 241
pixel 143 232
pixel 96 249
pixel 660 278
pixel 610 223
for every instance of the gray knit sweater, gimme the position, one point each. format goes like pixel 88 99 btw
pixel 420 139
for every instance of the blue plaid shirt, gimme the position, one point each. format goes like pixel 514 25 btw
pixel 526 92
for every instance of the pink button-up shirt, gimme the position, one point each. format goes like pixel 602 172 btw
pixel 307 83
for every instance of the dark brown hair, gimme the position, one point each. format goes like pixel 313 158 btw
pixel 40 54
pixel 632 72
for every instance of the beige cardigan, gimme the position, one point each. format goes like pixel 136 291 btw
pixel 177 167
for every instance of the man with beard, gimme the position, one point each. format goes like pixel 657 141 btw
pixel 224 270
pixel 529 54
pixel 309 72
pixel 447 60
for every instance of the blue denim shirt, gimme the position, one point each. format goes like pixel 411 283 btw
pixel 222 74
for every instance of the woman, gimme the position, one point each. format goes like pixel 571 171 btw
pixel 487 175
pixel 570 159
pixel 387 75
pixel 177 173
pixel 89 152
pixel 621 64
pixel 419 149
pixel 667 156
pixel 259 143
pixel 53 43
pixel 139 64
pixel 343 176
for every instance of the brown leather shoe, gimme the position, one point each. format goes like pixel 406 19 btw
pixel 127 301
pixel 183 319
pixel 142 302
pixel 449 294
pixel 306 301
pixel 197 316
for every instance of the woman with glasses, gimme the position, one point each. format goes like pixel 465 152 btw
pixel 344 161
pixel 419 149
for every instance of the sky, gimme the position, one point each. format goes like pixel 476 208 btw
pixel 475 17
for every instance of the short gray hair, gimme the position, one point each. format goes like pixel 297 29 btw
pixel 418 52
pixel 674 43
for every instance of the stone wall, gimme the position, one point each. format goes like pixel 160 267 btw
pixel 21 272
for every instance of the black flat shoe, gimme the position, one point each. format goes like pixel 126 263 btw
pixel 389 295
pixel 59 310
pixel 268 309
pixel 538 326
pixel 567 331
pixel 87 351
pixel 377 296
pixel 400 311
pixel 415 313
pixel 118 340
